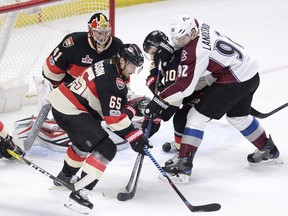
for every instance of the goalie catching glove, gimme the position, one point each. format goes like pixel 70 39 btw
pixel 138 140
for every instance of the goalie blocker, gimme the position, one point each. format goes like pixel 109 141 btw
pixel 52 137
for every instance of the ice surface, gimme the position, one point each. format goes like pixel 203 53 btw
pixel 221 172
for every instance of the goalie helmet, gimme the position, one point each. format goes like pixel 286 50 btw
pixel 180 26
pixel 154 38
pixel 131 53
pixel 99 30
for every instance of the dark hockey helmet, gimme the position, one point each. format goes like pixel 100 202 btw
pixel 131 53
pixel 99 28
pixel 154 38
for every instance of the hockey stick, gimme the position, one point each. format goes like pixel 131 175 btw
pixel 28 142
pixel 44 172
pixel 129 194
pixel 260 115
pixel 200 208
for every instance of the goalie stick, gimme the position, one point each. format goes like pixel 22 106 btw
pixel 44 87
pixel 260 115
pixel 44 172
pixel 200 208
pixel 28 142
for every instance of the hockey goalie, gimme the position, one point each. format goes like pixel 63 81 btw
pixel 52 137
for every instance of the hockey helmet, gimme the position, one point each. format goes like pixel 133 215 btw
pixel 154 38
pixel 99 28
pixel 182 25
pixel 131 53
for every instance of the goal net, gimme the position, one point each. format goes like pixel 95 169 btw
pixel 31 29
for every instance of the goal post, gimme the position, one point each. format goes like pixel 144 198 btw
pixel 29 31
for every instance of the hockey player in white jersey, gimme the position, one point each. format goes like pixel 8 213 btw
pixel 206 51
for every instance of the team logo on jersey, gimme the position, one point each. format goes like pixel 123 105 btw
pixel 120 83
pixel 68 42
pixel 183 55
pixel 87 60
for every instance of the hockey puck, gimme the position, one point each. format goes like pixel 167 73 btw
pixel 166 147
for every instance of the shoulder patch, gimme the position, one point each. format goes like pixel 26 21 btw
pixel 120 83
pixel 184 55
pixel 68 42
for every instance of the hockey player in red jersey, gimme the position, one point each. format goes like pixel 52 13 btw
pixel 206 51
pixel 76 52
pixel 100 93
pixel 79 50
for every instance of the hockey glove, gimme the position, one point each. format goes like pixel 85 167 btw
pixel 164 54
pixel 9 144
pixel 168 113
pixel 130 111
pixel 193 99
pixel 151 84
pixel 155 107
pixel 155 125
pixel 137 141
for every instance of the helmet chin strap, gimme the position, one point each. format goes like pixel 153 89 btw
pixel 122 69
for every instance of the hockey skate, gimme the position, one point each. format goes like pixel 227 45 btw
pixel 68 179
pixel 79 201
pixel 179 171
pixel 172 161
pixel 268 155
pixel 170 147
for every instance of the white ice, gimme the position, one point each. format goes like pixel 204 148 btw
pixel 221 172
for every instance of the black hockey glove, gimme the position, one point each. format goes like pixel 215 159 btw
pixel 168 113
pixel 155 107
pixel 155 125
pixel 164 54
pixel 193 99
pixel 9 144
pixel 130 111
pixel 138 140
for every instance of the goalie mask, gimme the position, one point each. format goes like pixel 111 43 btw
pixel 99 30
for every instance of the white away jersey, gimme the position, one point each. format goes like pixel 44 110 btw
pixel 210 53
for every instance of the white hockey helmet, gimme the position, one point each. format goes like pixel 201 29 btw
pixel 182 25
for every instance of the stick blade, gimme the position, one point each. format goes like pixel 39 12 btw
pixel 122 196
pixel 205 208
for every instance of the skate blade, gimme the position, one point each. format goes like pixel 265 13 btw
pixel 181 179
pixel 74 206
pixel 274 161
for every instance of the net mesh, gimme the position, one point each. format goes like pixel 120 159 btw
pixel 35 32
